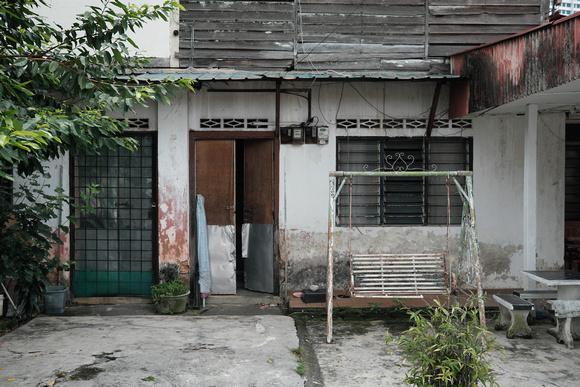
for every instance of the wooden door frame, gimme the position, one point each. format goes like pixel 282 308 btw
pixel 232 135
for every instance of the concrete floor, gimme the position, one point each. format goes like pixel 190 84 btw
pixel 242 340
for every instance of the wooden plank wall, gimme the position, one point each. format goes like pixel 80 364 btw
pixel 357 35
pixel 245 35
pixel 341 35
pixel 457 25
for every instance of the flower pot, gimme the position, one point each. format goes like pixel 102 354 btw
pixel 55 300
pixel 172 304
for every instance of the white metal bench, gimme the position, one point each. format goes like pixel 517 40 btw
pixel 513 313
pixel 397 275
pixel 564 311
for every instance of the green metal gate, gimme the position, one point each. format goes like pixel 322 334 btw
pixel 114 246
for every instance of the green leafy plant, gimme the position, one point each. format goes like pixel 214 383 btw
pixel 299 353
pixel 27 238
pixel 57 87
pixel 171 288
pixel 57 84
pixel 447 347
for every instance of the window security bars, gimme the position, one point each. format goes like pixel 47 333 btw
pixel 401 200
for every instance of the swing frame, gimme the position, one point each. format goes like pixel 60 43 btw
pixel 469 248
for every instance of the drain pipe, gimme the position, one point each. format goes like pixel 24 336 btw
pixel 9 298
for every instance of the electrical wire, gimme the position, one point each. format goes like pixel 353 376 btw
pixel 550 129
pixel 331 32
pixel 370 103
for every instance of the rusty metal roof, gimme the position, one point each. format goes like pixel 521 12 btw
pixel 216 75
pixel 542 63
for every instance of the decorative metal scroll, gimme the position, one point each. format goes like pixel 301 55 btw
pixel 400 163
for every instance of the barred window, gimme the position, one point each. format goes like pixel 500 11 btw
pixel 401 200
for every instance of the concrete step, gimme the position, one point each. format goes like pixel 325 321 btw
pixel 243 297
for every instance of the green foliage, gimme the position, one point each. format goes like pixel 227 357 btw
pixel 27 238
pixel 447 347
pixel 299 353
pixel 57 84
pixel 171 288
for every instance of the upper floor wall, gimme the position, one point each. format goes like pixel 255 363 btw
pixel 155 40
pixel 347 35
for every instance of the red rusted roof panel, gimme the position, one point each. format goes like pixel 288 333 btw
pixel 521 65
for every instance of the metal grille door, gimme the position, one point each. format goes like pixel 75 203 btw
pixel 114 246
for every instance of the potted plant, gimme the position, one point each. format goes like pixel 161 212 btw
pixel 170 297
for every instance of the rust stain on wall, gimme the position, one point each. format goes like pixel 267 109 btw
pixel 173 230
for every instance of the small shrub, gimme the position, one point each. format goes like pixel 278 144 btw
pixel 447 347
pixel 171 288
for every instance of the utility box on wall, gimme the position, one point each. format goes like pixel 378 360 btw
pixel 304 134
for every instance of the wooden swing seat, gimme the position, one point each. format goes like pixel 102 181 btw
pixel 397 275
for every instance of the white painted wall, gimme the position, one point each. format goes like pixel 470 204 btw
pixel 303 178
pixel 499 201
pixel 173 178
pixel 498 186
pixel 498 177
pixel 154 40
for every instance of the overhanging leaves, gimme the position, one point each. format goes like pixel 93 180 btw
pixel 56 84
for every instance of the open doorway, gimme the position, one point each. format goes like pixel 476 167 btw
pixel 236 179
pixel 572 203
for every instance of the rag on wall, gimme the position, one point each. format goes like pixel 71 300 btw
pixel 202 248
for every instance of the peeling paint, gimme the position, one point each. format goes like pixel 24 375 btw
pixel 173 227
pixel 306 254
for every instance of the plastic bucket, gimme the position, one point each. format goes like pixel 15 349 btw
pixel 55 300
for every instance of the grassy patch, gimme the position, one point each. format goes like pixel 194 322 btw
pixel 299 353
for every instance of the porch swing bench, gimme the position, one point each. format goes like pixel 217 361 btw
pixel 397 275
pixel 407 275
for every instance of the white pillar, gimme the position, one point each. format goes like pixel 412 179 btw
pixel 173 179
pixel 530 191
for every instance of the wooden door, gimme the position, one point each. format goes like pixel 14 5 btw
pixel 215 180
pixel 259 214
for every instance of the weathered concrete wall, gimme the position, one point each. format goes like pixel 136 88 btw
pixel 304 182
pixel 551 180
pixel 498 190
pixel 173 191
pixel 58 176
pixel 498 187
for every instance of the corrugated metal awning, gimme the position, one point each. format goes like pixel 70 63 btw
pixel 293 75
pixel 540 66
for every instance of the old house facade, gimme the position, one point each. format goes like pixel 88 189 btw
pixel 290 90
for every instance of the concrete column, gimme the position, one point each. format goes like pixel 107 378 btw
pixel 530 191
pixel 173 190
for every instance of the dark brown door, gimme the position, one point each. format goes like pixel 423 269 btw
pixel 259 215
pixel 215 180
pixel 236 180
